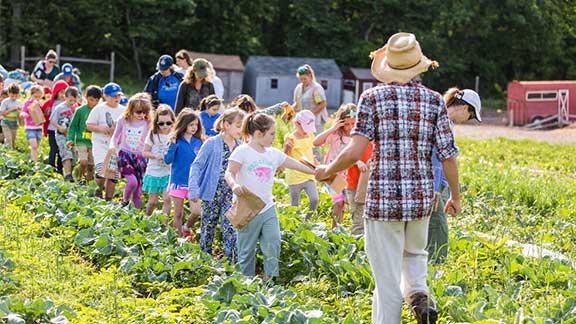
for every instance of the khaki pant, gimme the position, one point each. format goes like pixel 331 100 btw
pixel 398 257
pixel 356 213
pixel 9 136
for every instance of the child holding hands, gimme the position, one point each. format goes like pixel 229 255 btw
pixel 251 168
pixel 299 146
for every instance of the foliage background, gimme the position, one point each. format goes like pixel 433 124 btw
pixel 499 40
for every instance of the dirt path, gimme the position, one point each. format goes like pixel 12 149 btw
pixel 558 136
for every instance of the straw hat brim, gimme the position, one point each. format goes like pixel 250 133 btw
pixel 386 74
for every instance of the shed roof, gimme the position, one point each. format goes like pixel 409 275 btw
pixel 282 65
pixel 362 74
pixel 221 61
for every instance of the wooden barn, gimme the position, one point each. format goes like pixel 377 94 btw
pixel 356 81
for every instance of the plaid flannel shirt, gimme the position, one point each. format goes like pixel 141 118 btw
pixel 405 122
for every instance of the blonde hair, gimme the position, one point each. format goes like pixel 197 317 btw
pixel 140 101
pixel 306 69
pixel 345 111
pixel 228 116
pixel 36 88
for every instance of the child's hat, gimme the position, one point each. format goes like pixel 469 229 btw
pixel 67 69
pixel 307 120
pixel 112 89
pixel 124 100
pixel 473 99
pixel 164 62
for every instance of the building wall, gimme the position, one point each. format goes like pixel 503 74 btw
pixel 266 96
pixel 232 81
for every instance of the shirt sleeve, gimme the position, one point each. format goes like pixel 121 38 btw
pixel 279 157
pixel 238 154
pixel 319 94
pixel 73 127
pixel 55 113
pixel 117 132
pixel 38 70
pixel 444 138
pixel 365 120
pixel 4 105
pixel 93 116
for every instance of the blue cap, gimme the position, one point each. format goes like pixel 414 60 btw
pixel 67 69
pixel 124 100
pixel 164 62
pixel 112 89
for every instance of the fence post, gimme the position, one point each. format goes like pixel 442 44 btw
pixel 477 84
pixel 112 59
pixel 58 50
pixel 22 57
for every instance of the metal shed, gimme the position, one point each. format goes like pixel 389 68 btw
pixel 270 79
pixel 229 68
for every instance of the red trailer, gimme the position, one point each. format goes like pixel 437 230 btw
pixel 539 103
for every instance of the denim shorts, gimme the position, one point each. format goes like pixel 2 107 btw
pixel 34 134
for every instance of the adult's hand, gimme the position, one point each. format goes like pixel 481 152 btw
pixel 452 207
pixel 321 173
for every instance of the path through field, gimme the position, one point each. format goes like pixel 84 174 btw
pixel 480 132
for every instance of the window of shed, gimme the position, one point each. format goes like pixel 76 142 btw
pixel 324 84
pixel 273 83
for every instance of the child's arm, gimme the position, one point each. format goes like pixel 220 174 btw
pixel 322 137
pixel 72 128
pixel 117 133
pixel 25 113
pixel 147 153
pixel 170 153
pixel 199 164
pixel 290 163
pixel 230 177
pixel 288 145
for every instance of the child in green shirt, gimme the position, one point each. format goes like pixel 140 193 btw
pixel 81 138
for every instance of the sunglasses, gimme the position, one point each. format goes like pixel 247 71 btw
pixel 164 123
pixel 138 112
pixel 51 62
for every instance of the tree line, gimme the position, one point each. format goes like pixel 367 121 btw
pixel 497 40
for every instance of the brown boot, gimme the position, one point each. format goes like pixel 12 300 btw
pixel 423 308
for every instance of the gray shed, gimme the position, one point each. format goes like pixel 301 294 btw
pixel 270 79
pixel 229 69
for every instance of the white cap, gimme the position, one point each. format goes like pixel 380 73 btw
pixel 473 99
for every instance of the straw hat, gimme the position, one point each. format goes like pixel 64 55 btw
pixel 400 60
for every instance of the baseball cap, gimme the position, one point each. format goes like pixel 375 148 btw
pixel 200 67
pixel 164 62
pixel 473 99
pixel 67 69
pixel 112 89
pixel 124 100
pixel 307 120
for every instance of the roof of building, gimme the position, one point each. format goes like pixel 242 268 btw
pixel 221 61
pixel 281 65
pixel 362 74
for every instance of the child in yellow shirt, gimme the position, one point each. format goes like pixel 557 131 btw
pixel 298 145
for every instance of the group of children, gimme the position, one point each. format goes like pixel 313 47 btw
pixel 205 157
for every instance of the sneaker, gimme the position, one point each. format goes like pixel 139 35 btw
pixel 68 178
pixel 98 193
pixel 82 182
pixel 423 308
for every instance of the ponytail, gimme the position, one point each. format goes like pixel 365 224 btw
pixel 256 122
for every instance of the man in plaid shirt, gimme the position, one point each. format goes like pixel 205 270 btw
pixel 406 121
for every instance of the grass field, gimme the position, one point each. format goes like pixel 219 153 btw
pixel 67 256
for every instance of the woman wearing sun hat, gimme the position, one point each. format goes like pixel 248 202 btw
pixel 462 106
pixel 405 120
pixel 163 85
pixel 195 87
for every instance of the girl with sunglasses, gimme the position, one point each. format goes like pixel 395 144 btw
pixel 157 174
pixel 130 134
